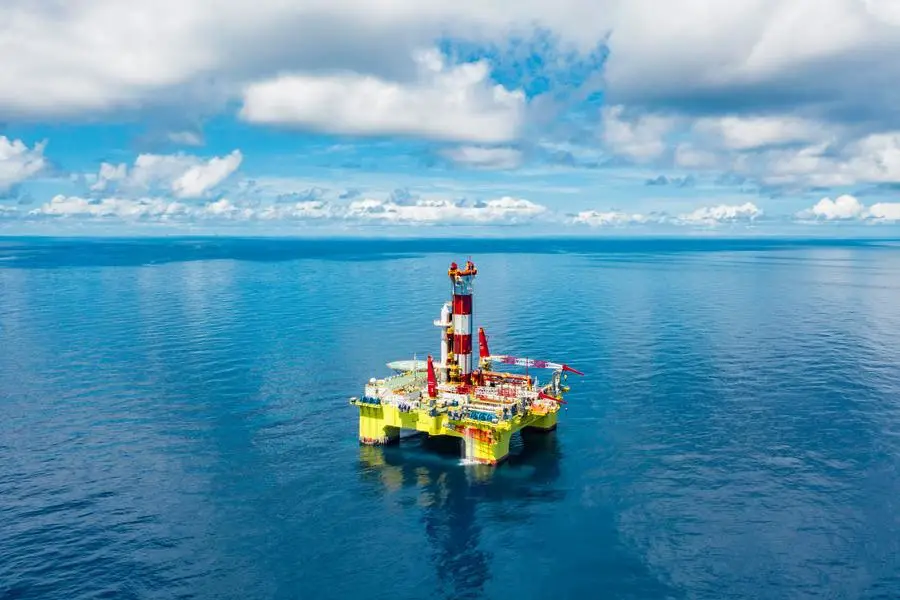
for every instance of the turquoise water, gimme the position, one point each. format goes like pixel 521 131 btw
pixel 174 421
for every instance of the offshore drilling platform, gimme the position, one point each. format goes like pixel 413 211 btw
pixel 483 406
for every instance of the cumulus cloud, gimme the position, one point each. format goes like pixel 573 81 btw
pixel 18 162
pixel 485 158
pixel 141 209
pixel 183 175
pixel 887 10
pixel 834 57
pixel 445 102
pixel 849 208
pixel 708 215
pixel 98 54
pixel 108 174
pixel 753 74
pixel 689 156
pixel 407 209
pixel 93 55
pixel 423 211
pixel 752 79
pixel 872 159
pixel 885 211
pixel 771 150
pixel 723 213
pixel 308 209
pixel 801 154
pixel 594 218
pixel 163 209
pixel 121 208
pixel 790 94
pixel 639 137
pixel 505 209
pixel 844 207
pixel 747 133
pixel 224 209
pixel 200 178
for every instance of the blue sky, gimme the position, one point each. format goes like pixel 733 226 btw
pixel 575 117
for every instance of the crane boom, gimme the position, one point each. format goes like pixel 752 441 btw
pixel 532 363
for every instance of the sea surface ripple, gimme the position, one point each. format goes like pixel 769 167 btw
pixel 174 421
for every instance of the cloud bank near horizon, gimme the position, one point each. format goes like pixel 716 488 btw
pixel 437 212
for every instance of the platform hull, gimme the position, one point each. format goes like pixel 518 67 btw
pixel 485 443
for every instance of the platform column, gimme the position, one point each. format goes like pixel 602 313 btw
pixel 372 428
pixel 544 423
pixel 490 451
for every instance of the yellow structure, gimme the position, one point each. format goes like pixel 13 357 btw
pixel 486 443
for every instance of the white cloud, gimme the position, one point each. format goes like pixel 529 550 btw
pixel 183 175
pixel 122 208
pixel 421 211
pixel 158 170
pixel 777 68
pixel 308 209
pixel 200 178
pixel 445 102
pixel 485 158
pixel 885 211
pixel 886 10
pixel 809 165
pixel 18 162
pixel 505 209
pixel 723 213
pixel 796 93
pixel 594 218
pixel 224 209
pixel 708 215
pixel 847 208
pixel 97 54
pixel 91 56
pixel 875 158
pixel 639 137
pixel 747 133
pixel 820 73
pixel 109 173
pixel 791 152
pixel 844 207
pixel 83 56
pixel 185 138
pixel 688 156
pixel 806 52
pixel 872 159
pixel 141 209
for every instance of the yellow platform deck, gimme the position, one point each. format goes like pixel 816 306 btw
pixel 486 443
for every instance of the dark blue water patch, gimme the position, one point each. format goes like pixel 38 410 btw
pixel 182 429
pixel 71 252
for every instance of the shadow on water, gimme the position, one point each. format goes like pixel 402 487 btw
pixel 450 493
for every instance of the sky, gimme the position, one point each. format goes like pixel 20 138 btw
pixel 450 117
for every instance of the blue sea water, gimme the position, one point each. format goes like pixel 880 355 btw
pixel 174 421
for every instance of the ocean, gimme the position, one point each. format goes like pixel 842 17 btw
pixel 174 421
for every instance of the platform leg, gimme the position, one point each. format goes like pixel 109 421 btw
pixel 372 428
pixel 491 452
pixel 545 423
